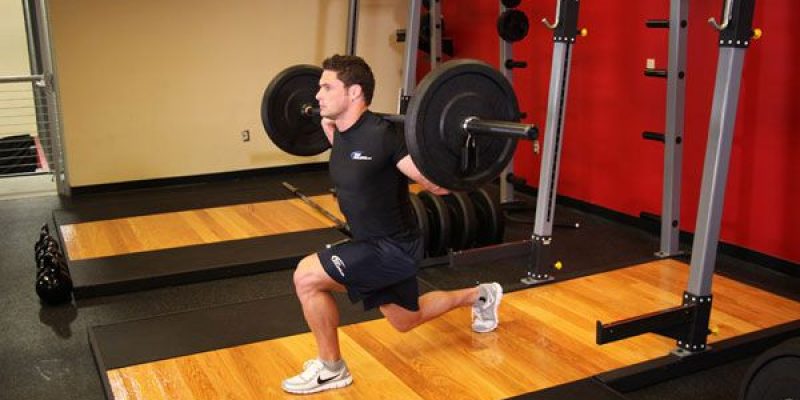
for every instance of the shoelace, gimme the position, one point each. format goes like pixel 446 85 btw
pixel 311 369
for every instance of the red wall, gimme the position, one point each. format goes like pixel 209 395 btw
pixel 606 162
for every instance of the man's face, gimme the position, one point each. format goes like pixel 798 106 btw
pixel 333 97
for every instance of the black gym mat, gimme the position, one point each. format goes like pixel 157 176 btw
pixel 598 245
pixel 152 269
pixel 132 203
pixel 589 389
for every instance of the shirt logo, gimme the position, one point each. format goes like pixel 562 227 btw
pixel 357 155
pixel 339 264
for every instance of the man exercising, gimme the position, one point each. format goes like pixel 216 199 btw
pixel 369 165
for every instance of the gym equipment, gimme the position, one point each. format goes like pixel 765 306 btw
pixel 460 126
pixel 673 131
pixel 507 64
pixel 340 225
pixel 421 215
pixel 512 25
pixel 491 222
pixel 44 233
pixel 774 374
pixel 511 3
pixel 287 93
pixel 564 31
pixel 464 221
pixel 439 222
pixel 53 281
pixel 688 323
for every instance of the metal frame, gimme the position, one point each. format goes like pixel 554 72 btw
pixel 565 28
pixel 352 27
pixel 506 53
pixel 673 134
pixel 410 59
pixel 44 75
pixel 692 332
pixel 435 13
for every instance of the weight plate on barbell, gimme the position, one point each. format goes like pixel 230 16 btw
pixel 421 215
pixel 440 224
pixel 281 114
pixel 444 99
pixel 490 215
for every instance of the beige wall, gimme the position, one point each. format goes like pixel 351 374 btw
pixel 163 88
pixel 16 115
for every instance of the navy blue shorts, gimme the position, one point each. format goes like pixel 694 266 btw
pixel 376 271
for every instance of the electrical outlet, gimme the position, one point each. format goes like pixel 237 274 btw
pixel 651 63
pixel 246 135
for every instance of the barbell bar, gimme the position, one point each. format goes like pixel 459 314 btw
pixel 461 126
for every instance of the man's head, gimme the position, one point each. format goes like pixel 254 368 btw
pixel 345 79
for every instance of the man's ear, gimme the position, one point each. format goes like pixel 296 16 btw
pixel 355 91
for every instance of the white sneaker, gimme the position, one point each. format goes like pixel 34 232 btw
pixel 484 312
pixel 316 378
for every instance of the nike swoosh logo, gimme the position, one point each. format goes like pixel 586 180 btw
pixel 320 381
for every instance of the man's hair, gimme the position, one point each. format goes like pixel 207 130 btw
pixel 352 70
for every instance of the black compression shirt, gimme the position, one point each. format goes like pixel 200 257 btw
pixel 372 192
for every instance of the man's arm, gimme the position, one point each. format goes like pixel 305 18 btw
pixel 407 167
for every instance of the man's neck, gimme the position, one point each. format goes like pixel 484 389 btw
pixel 350 117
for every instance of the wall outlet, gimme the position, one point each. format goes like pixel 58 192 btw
pixel 651 63
pixel 246 135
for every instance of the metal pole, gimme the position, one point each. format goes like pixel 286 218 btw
pixel 60 170
pixel 506 53
pixel 410 61
pixel 715 170
pixel 435 13
pixel 551 153
pixel 352 27
pixel 673 134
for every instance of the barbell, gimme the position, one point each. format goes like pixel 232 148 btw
pixel 461 126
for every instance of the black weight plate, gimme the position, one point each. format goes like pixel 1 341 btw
pixel 774 374
pixel 464 221
pixel 281 114
pixel 444 99
pixel 512 25
pixel 490 215
pixel 421 215
pixel 440 225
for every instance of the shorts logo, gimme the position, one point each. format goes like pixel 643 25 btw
pixel 357 155
pixel 339 264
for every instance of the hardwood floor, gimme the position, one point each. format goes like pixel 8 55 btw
pixel 184 228
pixel 546 337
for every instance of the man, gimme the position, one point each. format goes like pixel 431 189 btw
pixel 369 165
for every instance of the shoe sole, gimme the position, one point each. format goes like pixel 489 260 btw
pixel 494 310
pixel 327 386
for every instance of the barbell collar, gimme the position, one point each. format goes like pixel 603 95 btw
pixel 514 130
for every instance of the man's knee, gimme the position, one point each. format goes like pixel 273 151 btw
pixel 306 275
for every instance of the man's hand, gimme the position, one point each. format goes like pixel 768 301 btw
pixel 328 126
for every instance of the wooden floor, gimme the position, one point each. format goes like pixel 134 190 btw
pixel 184 228
pixel 546 337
